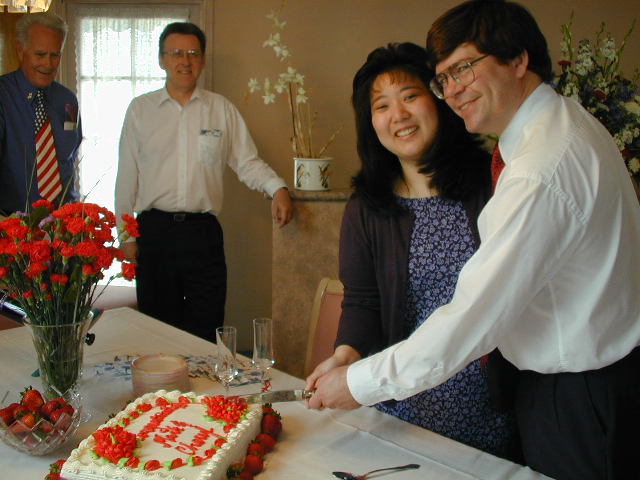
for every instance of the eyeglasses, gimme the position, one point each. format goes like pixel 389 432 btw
pixel 178 53
pixel 461 72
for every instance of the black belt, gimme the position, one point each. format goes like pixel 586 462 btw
pixel 177 217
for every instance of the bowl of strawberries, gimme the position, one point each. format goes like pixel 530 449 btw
pixel 37 425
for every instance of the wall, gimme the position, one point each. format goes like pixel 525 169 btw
pixel 329 40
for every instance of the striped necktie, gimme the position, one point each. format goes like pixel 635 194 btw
pixel 497 164
pixel 49 184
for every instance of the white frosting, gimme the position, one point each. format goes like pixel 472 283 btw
pixel 82 466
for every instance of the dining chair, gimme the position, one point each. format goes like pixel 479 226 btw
pixel 323 325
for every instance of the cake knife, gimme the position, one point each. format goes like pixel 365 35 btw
pixel 277 396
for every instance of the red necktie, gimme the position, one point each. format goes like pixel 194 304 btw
pixel 49 184
pixel 497 164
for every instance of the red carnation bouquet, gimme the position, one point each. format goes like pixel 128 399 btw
pixel 51 261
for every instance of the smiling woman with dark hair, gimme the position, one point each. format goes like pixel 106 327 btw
pixel 407 232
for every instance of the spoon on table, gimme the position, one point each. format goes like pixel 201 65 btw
pixel 351 476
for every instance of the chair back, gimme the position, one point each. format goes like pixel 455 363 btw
pixel 323 325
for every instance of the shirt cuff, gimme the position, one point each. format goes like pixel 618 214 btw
pixel 272 186
pixel 362 384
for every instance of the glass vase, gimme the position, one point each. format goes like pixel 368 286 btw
pixel 59 349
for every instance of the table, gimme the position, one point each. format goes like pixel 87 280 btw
pixel 313 443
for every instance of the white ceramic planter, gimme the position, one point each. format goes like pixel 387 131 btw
pixel 312 173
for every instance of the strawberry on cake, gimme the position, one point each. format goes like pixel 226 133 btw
pixel 176 436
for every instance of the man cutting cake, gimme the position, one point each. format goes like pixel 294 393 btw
pixel 554 285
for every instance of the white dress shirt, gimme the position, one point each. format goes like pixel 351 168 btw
pixel 172 157
pixel 554 284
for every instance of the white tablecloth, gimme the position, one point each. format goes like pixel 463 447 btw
pixel 312 444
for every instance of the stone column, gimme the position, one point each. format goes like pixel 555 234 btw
pixel 303 253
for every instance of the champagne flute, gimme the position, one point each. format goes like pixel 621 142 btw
pixel 226 369
pixel 262 346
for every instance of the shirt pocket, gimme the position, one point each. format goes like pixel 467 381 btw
pixel 210 148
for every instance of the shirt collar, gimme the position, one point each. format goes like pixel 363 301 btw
pixel 196 94
pixel 165 97
pixel 29 91
pixel 540 97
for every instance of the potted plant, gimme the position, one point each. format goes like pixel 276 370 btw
pixel 312 169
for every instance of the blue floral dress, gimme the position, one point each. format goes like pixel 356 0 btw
pixel 441 243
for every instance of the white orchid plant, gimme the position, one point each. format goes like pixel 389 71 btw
pixel 590 74
pixel 291 84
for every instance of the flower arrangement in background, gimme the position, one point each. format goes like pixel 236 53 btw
pixel 590 74
pixel 51 260
pixel 290 83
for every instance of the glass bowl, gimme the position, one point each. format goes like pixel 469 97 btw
pixel 44 437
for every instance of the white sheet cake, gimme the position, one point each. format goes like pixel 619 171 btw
pixel 197 434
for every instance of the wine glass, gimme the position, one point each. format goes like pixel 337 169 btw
pixel 226 369
pixel 262 346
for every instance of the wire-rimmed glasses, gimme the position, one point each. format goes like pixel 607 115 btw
pixel 178 53
pixel 226 367
pixel 461 72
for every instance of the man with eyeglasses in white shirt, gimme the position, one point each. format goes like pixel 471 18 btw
pixel 554 284
pixel 174 147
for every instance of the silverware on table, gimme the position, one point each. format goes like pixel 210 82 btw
pixel 351 476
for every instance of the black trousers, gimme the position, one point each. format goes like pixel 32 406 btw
pixel 182 275
pixel 582 426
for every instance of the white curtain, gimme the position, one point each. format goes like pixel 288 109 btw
pixel 117 60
